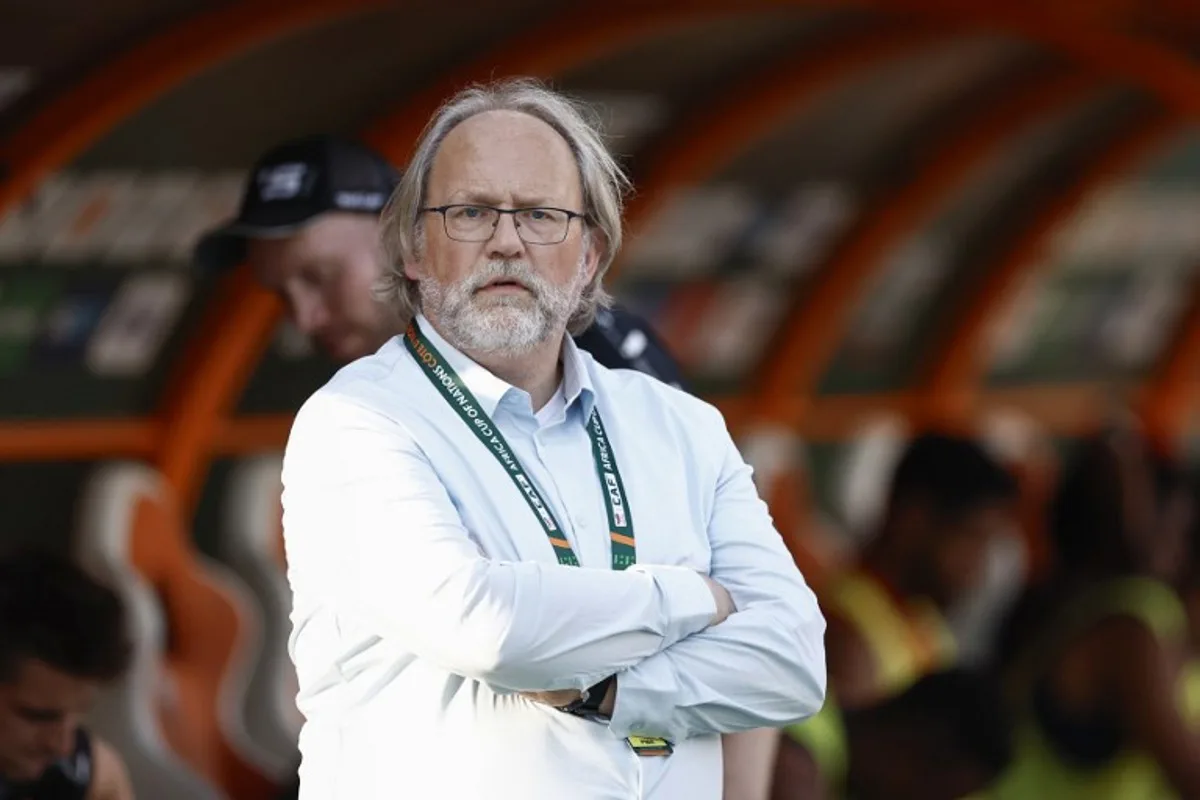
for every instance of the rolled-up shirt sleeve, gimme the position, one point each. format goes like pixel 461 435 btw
pixel 373 537
pixel 764 666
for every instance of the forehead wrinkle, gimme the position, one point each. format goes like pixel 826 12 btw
pixel 486 198
pixel 505 155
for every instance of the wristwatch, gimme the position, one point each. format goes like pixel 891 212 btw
pixel 587 705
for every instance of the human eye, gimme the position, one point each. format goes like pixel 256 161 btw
pixel 549 215
pixel 467 213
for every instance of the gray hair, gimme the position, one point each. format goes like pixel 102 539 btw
pixel 603 181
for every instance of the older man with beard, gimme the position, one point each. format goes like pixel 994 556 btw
pixel 518 574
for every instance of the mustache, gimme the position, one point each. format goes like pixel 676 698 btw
pixel 515 271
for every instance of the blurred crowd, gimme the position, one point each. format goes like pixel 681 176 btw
pixel 1088 685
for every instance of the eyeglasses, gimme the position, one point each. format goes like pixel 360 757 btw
pixel 473 223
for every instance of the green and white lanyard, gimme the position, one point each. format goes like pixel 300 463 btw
pixel 455 392
pixel 620 520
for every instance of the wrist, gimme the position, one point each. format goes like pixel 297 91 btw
pixel 591 704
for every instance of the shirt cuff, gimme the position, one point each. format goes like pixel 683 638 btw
pixel 645 700
pixel 688 601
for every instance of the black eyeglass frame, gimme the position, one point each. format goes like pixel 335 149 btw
pixel 571 215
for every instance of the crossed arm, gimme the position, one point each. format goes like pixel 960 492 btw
pixel 351 476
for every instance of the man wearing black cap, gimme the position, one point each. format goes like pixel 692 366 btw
pixel 308 229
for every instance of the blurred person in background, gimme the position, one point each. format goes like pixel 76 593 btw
pixel 308 229
pixel 1190 594
pixel 62 638
pixel 945 737
pixel 947 499
pixel 1094 654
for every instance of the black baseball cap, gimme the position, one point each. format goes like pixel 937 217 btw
pixel 292 184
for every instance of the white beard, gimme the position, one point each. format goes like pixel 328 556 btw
pixel 506 324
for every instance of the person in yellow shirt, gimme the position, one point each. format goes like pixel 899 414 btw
pixel 947 500
pixel 944 738
pixel 1095 654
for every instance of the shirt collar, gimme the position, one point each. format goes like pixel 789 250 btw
pixel 577 380
pixel 490 390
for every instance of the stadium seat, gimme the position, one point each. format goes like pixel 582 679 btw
pixel 193 622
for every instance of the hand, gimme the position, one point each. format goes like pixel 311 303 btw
pixel 555 699
pixel 610 699
pixel 725 605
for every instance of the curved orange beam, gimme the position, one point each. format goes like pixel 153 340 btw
pixel 704 141
pixel 1172 391
pixel 134 438
pixel 952 380
pixel 253 433
pixel 1168 74
pixel 577 37
pixel 1063 410
pixel 712 136
pixel 66 440
pixel 217 364
pixel 77 118
pixel 816 323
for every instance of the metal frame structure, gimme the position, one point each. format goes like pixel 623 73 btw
pixel 194 422
pixel 814 327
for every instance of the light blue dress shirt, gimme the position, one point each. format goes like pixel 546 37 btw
pixel 426 594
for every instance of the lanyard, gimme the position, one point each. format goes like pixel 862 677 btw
pixel 455 392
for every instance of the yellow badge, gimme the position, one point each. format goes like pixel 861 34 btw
pixel 649 746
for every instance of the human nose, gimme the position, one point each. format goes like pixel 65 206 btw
pixel 505 241
pixel 59 738
pixel 308 313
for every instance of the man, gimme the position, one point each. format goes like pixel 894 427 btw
pixel 516 573
pixel 944 738
pixel 948 499
pixel 61 638
pixel 308 228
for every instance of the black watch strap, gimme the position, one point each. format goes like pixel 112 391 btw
pixel 588 706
